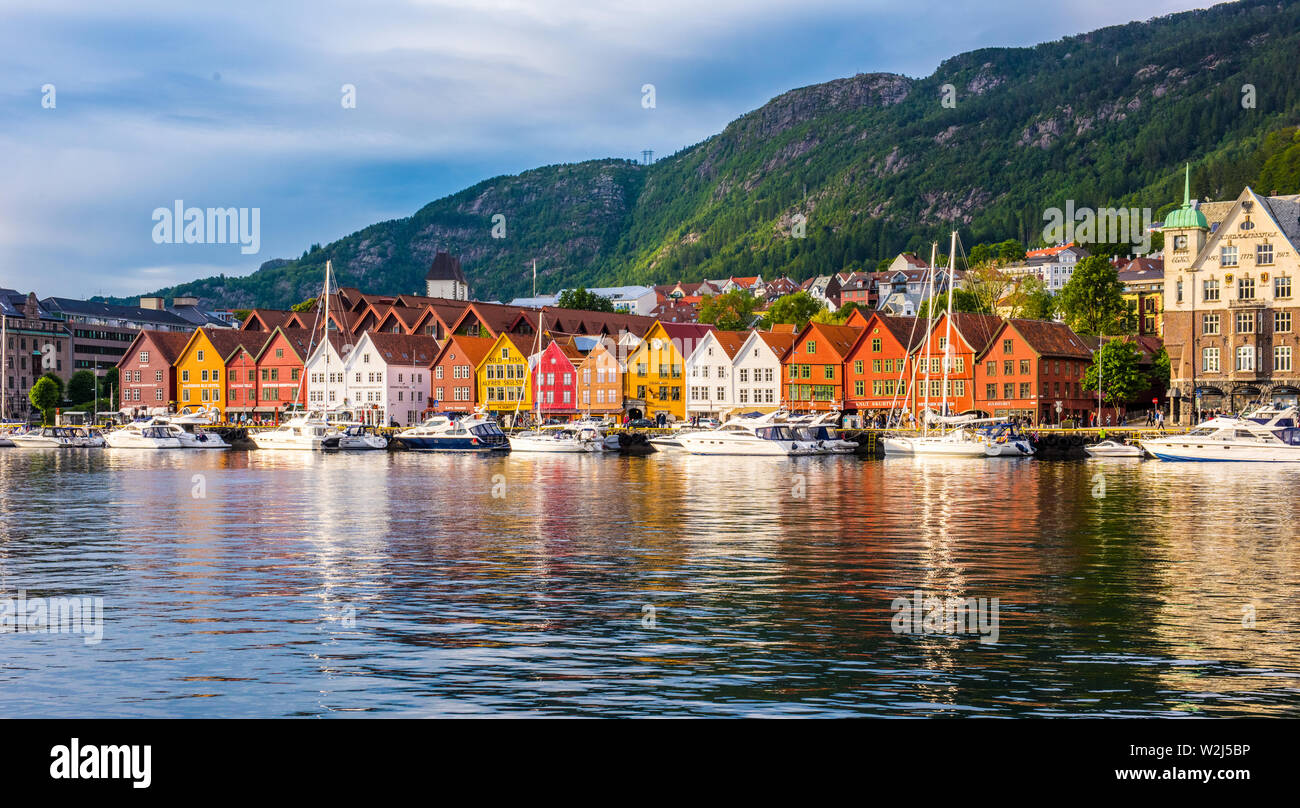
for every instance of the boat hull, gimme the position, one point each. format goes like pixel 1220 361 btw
pixel 931 446
pixel 1208 452
pixel 432 444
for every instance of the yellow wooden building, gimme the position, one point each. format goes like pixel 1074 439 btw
pixel 502 376
pixel 654 381
pixel 201 366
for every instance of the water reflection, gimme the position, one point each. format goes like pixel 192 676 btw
pixel 294 583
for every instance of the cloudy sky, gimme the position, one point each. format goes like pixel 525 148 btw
pixel 240 104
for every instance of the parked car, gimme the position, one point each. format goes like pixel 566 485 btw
pixel 642 423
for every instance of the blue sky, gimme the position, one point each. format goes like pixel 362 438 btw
pixel 239 104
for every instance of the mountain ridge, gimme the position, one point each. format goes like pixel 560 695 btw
pixel 875 162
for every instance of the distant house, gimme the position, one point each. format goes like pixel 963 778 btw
pixel 825 289
pixel 445 279
pixel 1052 265
pixel 1144 289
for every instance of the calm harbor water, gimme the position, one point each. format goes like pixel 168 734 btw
pixel 300 584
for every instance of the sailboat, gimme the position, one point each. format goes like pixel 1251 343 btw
pixel 309 430
pixel 957 440
pixel 561 438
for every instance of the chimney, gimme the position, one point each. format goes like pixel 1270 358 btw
pixel 31 309
pixel 155 303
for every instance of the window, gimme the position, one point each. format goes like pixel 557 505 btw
pixel 1211 290
pixel 279 353
pixel 1210 324
pixel 857 368
pixel 1008 367
pixel 1008 346
pixel 1245 322
pixel 1024 389
pixel 990 391
pixel 991 367
pixel 1282 358
pixel 200 356
pixel 1008 389
pixel 876 345
pixel 1024 366
pixel 1282 321
pixel 1264 254
pixel 1178 290
pixel 203 375
pixel 1245 288
pixel 1210 360
pixel 144 357
pixel 1228 256
pixel 1282 286
pixel 1245 357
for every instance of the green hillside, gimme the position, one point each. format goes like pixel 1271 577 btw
pixel 875 163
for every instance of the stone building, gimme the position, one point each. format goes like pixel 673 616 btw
pixel 445 279
pixel 1230 310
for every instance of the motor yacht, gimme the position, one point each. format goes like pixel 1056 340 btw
pixel 1263 436
pixel 1113 448
pixel 46 437
pixel 361 436
pixel 302 432
pixel 559 438
pixel 742 436
pixel 143 435
pixel 442 433
pixel 188 429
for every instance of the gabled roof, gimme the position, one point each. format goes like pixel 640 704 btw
pixel 168 344
pixel 445 267
pixel 473 349
pixel 730 341
pixel 227 341
pixel 779 341
pixel 1047 338
pixel 907 331
pixel 265 319
pixel 402 349
pixel 976 330
pixel 1048 252
pixel 298 340
pixel 840 338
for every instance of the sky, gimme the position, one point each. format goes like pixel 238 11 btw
pixel 111 111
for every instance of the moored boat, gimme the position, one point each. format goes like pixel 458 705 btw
pixel 142 435
pixel 47 437
pixel 303 432
pixel 442 433
pixel 1113 448
pixel 1263 436
pixel 361 436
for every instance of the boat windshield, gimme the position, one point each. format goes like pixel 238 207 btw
pixel 487 430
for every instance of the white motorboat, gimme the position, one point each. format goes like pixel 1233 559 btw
pixel 88 437
pixel 1262 436
pixel 820 430
pixel 142 435
pixel 47 437
pixel 188 429
pixel 302 432
pixel 562 438
pixel 442 433
pixel 361 436
pixel 1113 448
pixel 742 436
pixel 611 443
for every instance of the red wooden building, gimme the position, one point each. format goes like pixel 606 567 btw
pixel 878 372
pixel 812 373
pixel 280 365
pixel 454 384
pixel 555 379
pixel 146 373
pixel 971 335
pixel 1031 365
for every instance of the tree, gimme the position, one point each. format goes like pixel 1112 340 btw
pixel 730 311
pixel 306 305
pixel 1032 300
pixel 981 253
pixel 1093 299
pixel 580 298
pixel 58 383
pixel 45 396
pixel 1010 251
pixel 109 387
pixel 81 387
pixel 795 309
pixel 988 284
pixel 1160 372
pixel 1121 381
pixel 841 315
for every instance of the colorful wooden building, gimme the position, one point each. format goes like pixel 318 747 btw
pixel 146 371
pixel 455 388
pixel 201 366
pixel 971 334
pixel 502 375
pixel 555 379
pixel 600 378
pixel 1029 367
pixel 878 371
pixel 654 382
pixel 813 370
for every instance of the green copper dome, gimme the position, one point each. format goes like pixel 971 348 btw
pixel 1186 216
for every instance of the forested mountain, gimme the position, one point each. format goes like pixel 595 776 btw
pixel 876 163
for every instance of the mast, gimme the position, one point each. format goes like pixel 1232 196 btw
pixel 947 340
pixel 929 331
pixel 4 365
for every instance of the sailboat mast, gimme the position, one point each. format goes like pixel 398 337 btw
pixel 929 330
pixel 947 339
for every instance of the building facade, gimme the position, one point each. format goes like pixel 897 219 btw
pixel 1230 303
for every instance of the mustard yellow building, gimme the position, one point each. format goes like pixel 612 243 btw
pixel 502 377
pixel 654 382
pixel 1144 290
pixel 200 368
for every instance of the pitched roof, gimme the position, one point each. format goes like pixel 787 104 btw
pixel 168 344
pixel 404 349
pixel 978 330
pixel 841 338
pixel 269 319
pixel 730 341
pixel 228 340
pixel 473 349
pixel 1049 338
pixel 779 341
pixel 909 331
pixel 445 268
